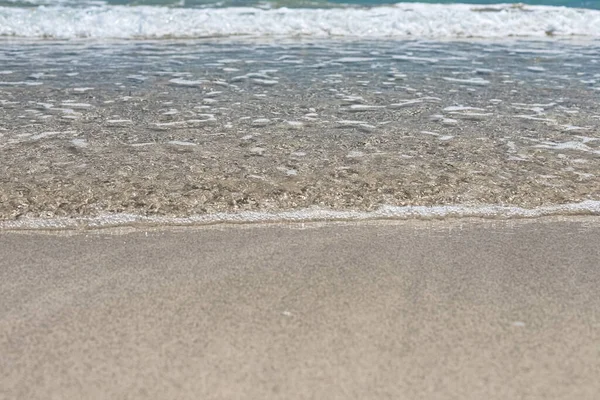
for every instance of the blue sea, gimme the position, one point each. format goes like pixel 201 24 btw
pixel 201 111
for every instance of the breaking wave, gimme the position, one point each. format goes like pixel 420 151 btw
pixel 407 20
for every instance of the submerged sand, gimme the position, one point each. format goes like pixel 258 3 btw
pixel 417 310
pixel 191 127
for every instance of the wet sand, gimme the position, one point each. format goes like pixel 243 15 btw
pixel 459 309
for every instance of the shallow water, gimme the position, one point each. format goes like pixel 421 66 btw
pixel 192 127
pixel 201 111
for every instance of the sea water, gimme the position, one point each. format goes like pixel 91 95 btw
pixel 115 112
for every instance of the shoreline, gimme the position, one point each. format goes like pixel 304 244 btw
pixel 588 208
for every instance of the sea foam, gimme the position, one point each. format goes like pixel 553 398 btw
pixel 588 207
pixel 407 20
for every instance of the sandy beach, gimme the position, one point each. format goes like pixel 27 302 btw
pixel 260 200
pixel 459 309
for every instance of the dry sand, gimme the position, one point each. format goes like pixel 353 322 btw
pixel 407 310
pixel 165 128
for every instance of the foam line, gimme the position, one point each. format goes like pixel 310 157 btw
pixel 406 20
pixel 588 207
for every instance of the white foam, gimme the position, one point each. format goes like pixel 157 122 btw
pixel 363 107
pixel 354 59
pixel 472 81
pixel 265 82
pixel 352 124
pixel 82 90
pixel 587 139
pixel 143 144
pixel 534 118
pixel 119 122
pixel 351 99
pixel 449 122
pixel 77 106
pixel 207 119
pixel 546 105
pixel 473 116
pixel 137 78
pixel 181 143
pixel 401 20
pixel 588 207
pixel 49 134
pixel 171 125
pixel 571 145
pixel 186 82
pixel 571 128
pixel 82 143
pixel 460 108
pixel 536 69
pixel 413 102
pixel 261 122
pixel 19 83
pixel 355 154
pixel 294 124
pixel 416 59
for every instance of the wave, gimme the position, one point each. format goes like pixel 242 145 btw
pixel 408 20
pixel 589 207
